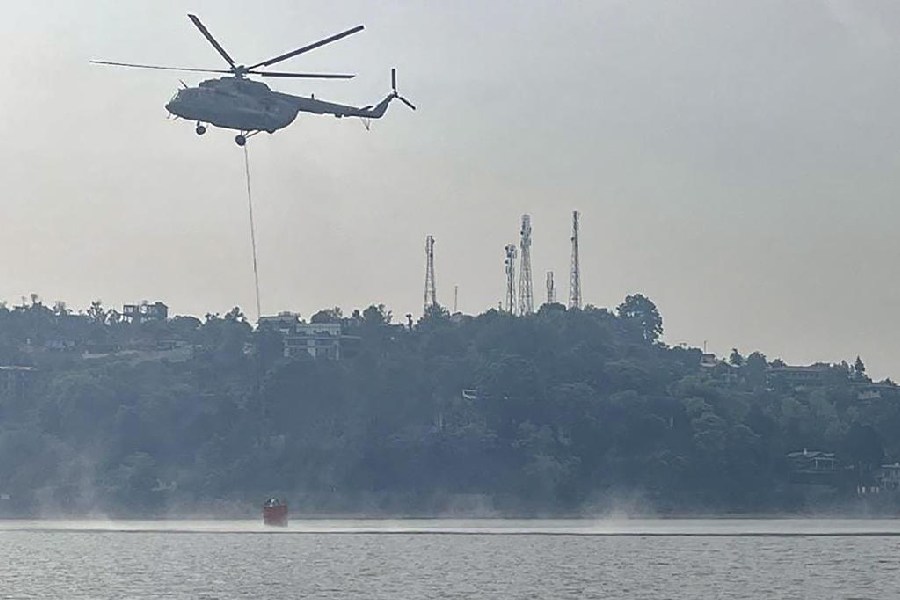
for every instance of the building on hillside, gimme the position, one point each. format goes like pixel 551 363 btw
pixel 800 376
pixel 94 349
pixel 812 461
pixel 319 340
pixel 284 322
pixel 889 477
pixel 58 344
pixel 16 380
pixel 813 467
pixel 144 312
pixel 708 361
pixel 875 391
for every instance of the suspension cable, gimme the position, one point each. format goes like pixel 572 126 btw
pixel 252 231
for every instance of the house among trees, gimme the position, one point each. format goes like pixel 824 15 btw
pixel 319 340
pixel 817 374
pixel 15 380
pixel 144 312
pixel 708 361
pixel 813 467
pixel 284 322
pixel 812 461
pixel 875 391
pixel 328 334
pixel 889 477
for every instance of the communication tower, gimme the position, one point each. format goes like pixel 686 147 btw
pixel 551 288
pixel 455 299
pixel 575 271
pixel 510 269
pixel 430 294
pixel 526 286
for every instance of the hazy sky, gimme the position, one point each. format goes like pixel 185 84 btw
pixel 738 162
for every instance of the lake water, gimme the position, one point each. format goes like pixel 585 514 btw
pixel 416 559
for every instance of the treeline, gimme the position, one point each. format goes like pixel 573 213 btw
pixel 558 412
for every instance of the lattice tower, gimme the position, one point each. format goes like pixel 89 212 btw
pixel 575 271
pixel 510 270
pixel 526 285
pixel 430 293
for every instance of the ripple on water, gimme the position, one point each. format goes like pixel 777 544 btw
pixel 115 562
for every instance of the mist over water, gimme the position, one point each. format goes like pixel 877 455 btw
pixel 611 526
pixel 719 559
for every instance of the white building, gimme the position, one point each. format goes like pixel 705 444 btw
pixel 284 322
pixel 319 340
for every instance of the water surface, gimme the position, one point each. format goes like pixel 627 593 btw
pixel 412 559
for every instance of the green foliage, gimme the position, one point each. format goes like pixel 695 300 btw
pixel 376 315
pixel 551 412
pixel 641 310
pixel 327 315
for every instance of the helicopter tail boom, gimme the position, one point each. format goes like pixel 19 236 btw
pixel 377 111
pixel 314 105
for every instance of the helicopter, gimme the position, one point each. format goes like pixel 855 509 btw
pixel 250 107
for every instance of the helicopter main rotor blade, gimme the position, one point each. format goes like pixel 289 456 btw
pixel 301 75
pixel 211 39
pixel 312 46
pixel 159 68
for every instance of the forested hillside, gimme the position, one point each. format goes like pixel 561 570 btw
pixel 563 411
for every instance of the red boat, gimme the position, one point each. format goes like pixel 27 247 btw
pixel 275 513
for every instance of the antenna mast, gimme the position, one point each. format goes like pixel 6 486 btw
pixel 430 294
pixel 526 286
pixel 575 272
pixel 551 288
pixel 510 269
pixel 455 299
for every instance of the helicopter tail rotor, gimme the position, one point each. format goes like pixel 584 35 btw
pixel 394 92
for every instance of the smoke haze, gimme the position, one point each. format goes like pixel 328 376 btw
pixel 735 162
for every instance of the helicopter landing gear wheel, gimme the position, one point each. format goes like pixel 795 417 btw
pixel 240 139
pixel 201 129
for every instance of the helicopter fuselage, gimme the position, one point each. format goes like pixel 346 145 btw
pixel 249 106
pixel 235 103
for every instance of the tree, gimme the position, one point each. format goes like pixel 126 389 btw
pixel 735 358
pixel 863 446
pixel 376 315
pixel 551 307
pixel 435 315
pixel 96 312
pixel 235 315
pixel 859 369
pixel 60 309
pixel 754 369
pixel 643 311
pixel 327 315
